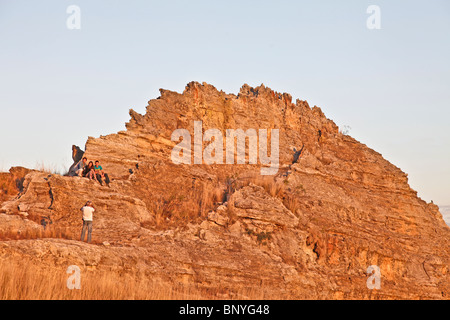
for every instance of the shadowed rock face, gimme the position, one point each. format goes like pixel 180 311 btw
pixel 311 231
pixel 77 155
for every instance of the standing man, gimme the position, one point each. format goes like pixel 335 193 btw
pixel 88 211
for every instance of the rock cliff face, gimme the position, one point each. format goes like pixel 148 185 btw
pixel 334 208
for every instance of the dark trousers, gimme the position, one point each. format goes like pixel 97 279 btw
pixel 86 225
pixel 99 178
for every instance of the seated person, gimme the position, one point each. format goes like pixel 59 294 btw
pixel 79 168
pixel 100 174
pixel 89 171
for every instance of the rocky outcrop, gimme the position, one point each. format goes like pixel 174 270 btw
pixel 334 208
pixel 11 183
pixel 77 155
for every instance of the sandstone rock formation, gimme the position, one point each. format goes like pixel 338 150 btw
pixel 334 208
pixel 77 155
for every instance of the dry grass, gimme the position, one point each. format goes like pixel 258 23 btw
pixel 204 199
pixel 36 233
pixel 180 209
pixel 27 280
pixel 24 282
pixel 271 186
pixel 292 202
pixel 279 189
pixel 51 169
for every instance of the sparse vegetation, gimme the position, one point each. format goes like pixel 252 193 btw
pixel 51 169
pixel 232 217
pixel 27 280
pixel 261 237
pixel 292 203
pixel 345 130
pixel 180 209
pixel 205 199
pixel 36 233
pixel 300 188
pixel 273 188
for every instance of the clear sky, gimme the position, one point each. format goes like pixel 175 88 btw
pixel 390 85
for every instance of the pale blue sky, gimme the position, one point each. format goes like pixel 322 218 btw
pixel 391 86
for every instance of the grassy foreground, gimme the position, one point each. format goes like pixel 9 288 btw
pixel 29 281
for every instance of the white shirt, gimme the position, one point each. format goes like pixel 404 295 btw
pixel 87 213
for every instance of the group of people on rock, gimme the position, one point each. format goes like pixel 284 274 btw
pixel 91 171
